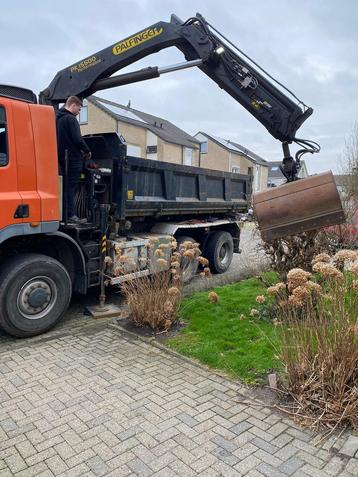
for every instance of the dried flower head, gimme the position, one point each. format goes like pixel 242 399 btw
pixel 175 264
pixel 173 244
pixel 260 299
pixel 162 262
pixel 153 240
pixel 242 317
pixel 123 259
pixel 173 291
pixel 159 253
pixel 275 289
pixel 345 255
pixel 108 260
pixel 301 293
pixel 355 285
pixel 189 254
pixel 329 271
pixel 167 324
pixel 318 266
pixel 297 277
pixel 321 257
pixel 294 301
pixel 164 246
pixel 187 245
pixel 207 272
pixel 176 255
pixel 354 269
pixel 313 286
pixel 254 312
pixel 213 297
pixel 203 261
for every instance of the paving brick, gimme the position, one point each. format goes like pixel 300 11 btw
pixel 269 471
pixel 15 462
pixel 99 404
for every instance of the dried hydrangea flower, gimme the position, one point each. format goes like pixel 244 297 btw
pixel 345 255
pixel 162 262
pixel 207 272
pixel 354 269
pixel 254 312
pixel 173 291
pixel 321 257
pixel 175 264
pixel 329 271
pixel 203 261
pixel 313 286
pixel 213 297
pixel 294 301
pixel 260 299
pixel 297 277
pixel 189 254
pixel 301 293
pixel 242 317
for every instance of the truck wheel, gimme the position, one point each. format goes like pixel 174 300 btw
pixel 35 291
pixel 188 267
pixel 219 251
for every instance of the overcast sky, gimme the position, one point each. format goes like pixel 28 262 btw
pixel 310 46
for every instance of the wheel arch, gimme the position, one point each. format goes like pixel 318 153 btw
pixel 57 245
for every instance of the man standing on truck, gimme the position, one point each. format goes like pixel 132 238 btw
pixel 69 139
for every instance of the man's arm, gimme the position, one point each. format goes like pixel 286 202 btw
pixel 76 137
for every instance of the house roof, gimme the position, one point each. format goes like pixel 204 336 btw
pixel 236 148
pixel 275 171
pixel 158 126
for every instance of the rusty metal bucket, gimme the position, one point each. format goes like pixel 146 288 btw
pixel 300 206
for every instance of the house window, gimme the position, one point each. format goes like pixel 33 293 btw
pixel 204 147
pixel 188 156
pixel 152 149
pixel 83 116
pixel 134 151
pixel 235 169
pixel 3 138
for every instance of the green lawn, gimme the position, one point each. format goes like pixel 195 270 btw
pixel 216 336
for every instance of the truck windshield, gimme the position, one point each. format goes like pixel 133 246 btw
pixel 3 138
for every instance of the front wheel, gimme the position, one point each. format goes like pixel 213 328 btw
pixel 219 250
pixel 35 291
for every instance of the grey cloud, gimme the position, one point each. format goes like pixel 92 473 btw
pixel 310 46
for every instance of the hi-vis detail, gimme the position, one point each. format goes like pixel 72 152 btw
pixel 87 63
pixel 136 40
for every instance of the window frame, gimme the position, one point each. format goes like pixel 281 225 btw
pixel 6 138
pixel 84 108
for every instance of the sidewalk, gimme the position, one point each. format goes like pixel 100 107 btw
pixel 90 401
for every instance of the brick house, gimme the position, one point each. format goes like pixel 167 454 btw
pixel 147 136
pixel 275 176
pixel 225 155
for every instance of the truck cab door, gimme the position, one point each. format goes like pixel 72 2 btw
pixel 10 198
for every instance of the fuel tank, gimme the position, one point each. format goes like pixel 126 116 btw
pixel 299 206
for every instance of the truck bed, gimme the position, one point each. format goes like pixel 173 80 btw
pixel 144 187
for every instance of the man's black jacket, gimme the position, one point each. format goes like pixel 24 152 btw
pixel 69 137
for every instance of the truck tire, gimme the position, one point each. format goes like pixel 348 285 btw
pixel 35 291
pixel 188 267
pixel 219 250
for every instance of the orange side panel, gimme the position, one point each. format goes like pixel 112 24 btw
pixel 9 195
pixel 44 133
pixel 26 163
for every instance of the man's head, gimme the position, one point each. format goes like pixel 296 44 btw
pixel 73 104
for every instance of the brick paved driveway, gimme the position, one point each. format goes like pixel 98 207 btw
pixel 88 401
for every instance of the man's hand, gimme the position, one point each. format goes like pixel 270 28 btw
pixel 87 156
pixel 91 164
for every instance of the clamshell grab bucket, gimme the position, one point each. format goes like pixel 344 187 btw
pixel 299 206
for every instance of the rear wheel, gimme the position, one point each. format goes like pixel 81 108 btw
pixel 219 250
pixel 35 291
pixel 189 267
